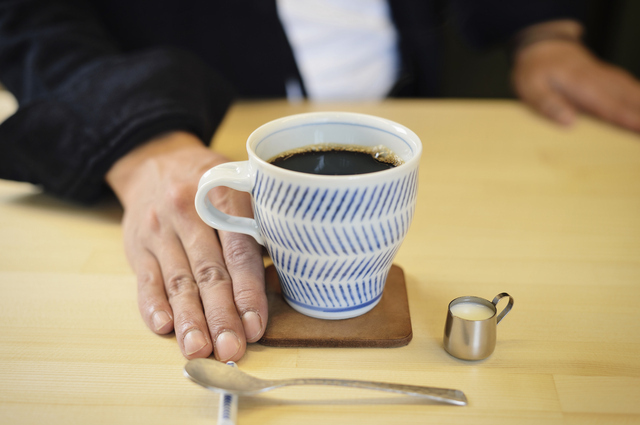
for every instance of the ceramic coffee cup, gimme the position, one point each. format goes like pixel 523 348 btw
pixel 332 238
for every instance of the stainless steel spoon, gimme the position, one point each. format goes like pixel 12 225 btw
pixel 219 377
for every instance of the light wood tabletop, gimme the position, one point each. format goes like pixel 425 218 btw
pixel 508 202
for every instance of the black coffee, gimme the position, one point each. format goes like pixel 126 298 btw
pixel 337 160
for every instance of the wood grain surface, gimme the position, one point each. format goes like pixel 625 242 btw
pixel 508 202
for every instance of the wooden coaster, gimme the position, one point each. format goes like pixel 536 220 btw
pixel 388 324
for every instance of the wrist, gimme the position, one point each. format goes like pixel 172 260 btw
pixel 123 172
pixel 565 30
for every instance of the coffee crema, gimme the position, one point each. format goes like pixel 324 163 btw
pixel 337 160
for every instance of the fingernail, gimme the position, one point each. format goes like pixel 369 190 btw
pixel 227 345
pixel 160 319
pixel 194 340
pixel 252 323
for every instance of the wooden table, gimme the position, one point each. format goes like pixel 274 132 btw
pixel 508 202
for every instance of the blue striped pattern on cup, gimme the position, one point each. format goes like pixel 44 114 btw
pixel 333 246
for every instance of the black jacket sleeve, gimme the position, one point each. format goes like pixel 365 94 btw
pixel 83 103
pixel 486 22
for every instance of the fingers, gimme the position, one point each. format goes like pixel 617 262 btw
pixel 543 98
pixel 559 78
pixel 608 93
pixel 243 257
pixel 215 291
pixel 185 286
pixel 192 331
pixel 230 277
pixel 152 300
pixel 167 291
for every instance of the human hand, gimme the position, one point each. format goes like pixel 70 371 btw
pixel 208 286
pixel 557 76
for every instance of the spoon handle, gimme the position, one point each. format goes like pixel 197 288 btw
pixel 439 394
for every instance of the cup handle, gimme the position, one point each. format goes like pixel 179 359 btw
pixel 504 310
pixel 235 175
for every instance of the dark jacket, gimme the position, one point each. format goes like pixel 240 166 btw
pixel 96 78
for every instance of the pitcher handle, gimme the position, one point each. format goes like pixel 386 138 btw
pixel 504 310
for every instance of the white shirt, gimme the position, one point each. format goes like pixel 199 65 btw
pixel 344 49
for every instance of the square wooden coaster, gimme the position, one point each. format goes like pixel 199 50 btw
pixel 388 324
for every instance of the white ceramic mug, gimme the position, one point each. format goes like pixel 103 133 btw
pixel 332 238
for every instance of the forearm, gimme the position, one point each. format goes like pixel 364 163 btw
pixel 83 104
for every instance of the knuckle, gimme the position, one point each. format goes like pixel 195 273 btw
pixel 246 295
pixel 179 199
pixel 216 321
pixel 186 322
pixel 584 83
pixel 148 298
pixel 180 284
pixel 211 275
pixel 146 279
pixel 147 306
pixel 238 251
pixel 152 220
